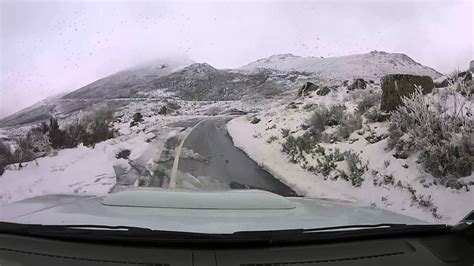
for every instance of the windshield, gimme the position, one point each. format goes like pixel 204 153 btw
pixel 202 116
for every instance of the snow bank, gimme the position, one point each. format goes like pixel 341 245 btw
pixel 80 170
pixel 451 204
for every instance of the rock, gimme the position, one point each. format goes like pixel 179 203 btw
pixel 137 118
pixel 292 105
pixel 323 91
pixel 307 88
pixel 357 84
pixel 255 120
pixel 441 82
pixel 388 179
pixel 394 87
pixel 123 154
pixel 465 76
pixel 163 110
pixel 471 66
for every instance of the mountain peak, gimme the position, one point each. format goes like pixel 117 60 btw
pixel 200 68
pixel 371 65
pixel 277 57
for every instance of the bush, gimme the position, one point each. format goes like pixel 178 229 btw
pixel 57 137
pixel 334 116
pixel 297 147
pixel 271 139
pixel 327 165
pixel 89 130
pixel 441 136
pixel 349 124
pixel 369 101
pixel 98 127
pixel 449 161
pixel 24 151
pixel 6 156
pixel 285 132
pixel 323 117
pixel 374 114
pixel 356 168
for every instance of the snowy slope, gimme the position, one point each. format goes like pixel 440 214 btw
pixel 128 82
pixel 373 65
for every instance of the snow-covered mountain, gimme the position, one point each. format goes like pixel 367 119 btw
pixel 156 106
pixel 186 80
pixel 372 65
pixel 130 81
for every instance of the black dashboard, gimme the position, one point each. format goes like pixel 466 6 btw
pixel 454 248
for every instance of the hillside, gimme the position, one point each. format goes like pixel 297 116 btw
pixel 183 79
pixel 371 66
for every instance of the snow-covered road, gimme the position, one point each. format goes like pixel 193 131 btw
pixel 216 158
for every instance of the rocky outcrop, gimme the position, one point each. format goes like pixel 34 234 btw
pixel 441 82
pixel 471 66
pixel 465 76
pixel 323 91
pixel 394 87
pixel 307 88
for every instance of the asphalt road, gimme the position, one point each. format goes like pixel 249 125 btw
pixel 223 161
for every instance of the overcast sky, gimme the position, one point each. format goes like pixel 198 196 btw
pixel 48 47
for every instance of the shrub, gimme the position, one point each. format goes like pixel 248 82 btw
pixel 92 128
pixel 297 147
pixel 333 116
pixel 289 147
pixel 57 137
pixel 349 124
pixel 374 114
pixel 6 156
pixel 449 161
pixel 285 132
pixel 327 165
pixel 98 127
pixel 24 151
pixel 271 139
pixel 323 117
pixel 442 136
pixel 369 101
pixel 356 168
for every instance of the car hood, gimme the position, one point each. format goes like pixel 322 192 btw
pixel 202 212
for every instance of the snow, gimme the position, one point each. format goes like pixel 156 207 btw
pixel 85 170
pixel 452 205
pixel 373 65
pixel 80 170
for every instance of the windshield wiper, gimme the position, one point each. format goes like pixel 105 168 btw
pixel 138 234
